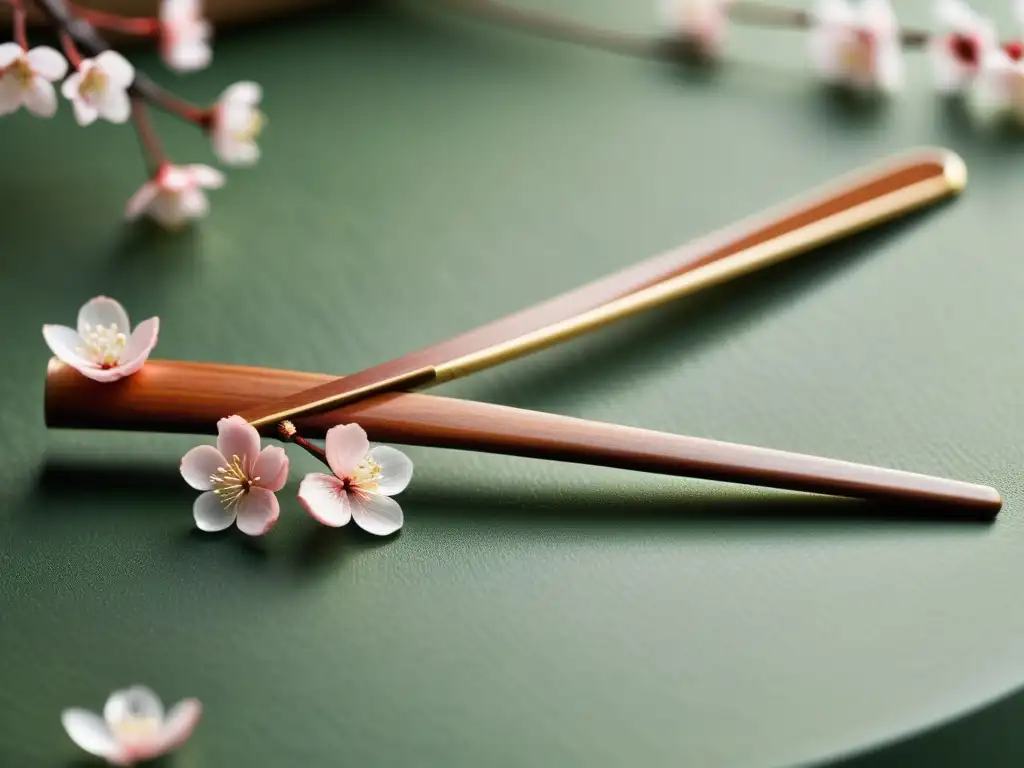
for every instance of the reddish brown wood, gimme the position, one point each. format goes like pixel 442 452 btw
pixel 898 173
pixel 169 396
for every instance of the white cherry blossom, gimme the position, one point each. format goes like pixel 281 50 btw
pixel 104 347
pixel 175 196
pixel 957 53
pixel 701 22
pixel 184 35
pixel 28 78
pixel 134 727
pixel 100 89
pixel 998 90
pixel 856 44
pixel 237 122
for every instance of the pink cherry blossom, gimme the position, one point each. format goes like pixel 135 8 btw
pixel 362 485
pixel 174 196
pixel 28 78
pixel 238 480
pixel 133 728
pixel 957 53
pixel 998 90
pixel 104 347
pixel 701 22
pixel 857 45
pixel 184 35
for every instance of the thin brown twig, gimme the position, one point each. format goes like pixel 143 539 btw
pixel 144 26
pixel 287 432
pixel 20 20
pixel 152 149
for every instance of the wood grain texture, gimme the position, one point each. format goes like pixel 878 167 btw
pixel 172 396
pixel 882 179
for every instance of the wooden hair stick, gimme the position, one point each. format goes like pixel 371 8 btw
pixel 890 189
pixel 170 396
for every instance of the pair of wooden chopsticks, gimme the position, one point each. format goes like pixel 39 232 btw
pixel 191 397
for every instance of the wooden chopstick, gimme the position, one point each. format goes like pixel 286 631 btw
pixel 863 199
pixel 170 396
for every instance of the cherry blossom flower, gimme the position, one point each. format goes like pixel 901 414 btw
pixel 236 123
pixel 174 196
pixel 28 78
pixel 100 89
pixel 362 485
pixel 998 90
pixel 133 727
pixel 104 348
pixel 702 23
pixel 238 480
pixel 957 54
pixel 184 35
pixel 857 45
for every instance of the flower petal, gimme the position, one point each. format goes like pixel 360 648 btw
pixel 377 514
pixel 167 211
pixel 141 200
pixel 41 98
pixel 257 512
pixel 65 343
pixel 239 153
pixel 69 88
pixel 103 310
pixel 246 92
pixel 395 469
pixel 85 114
pixel 131 703
pixel 47 62
pixel 210 514
pixel 325 498
pixel 236 437
pixel 9 53
pixel 180 722
pixel 118 69
pixel 271 468
pixel 194 204
pixel 116 107
pixel 11 95
pixel 89 731
pixel 140 345
pixel 199 465
pixel 347 445
pixel 188 55
pixel 206 177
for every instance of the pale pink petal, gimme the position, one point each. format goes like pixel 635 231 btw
pixel 271 468
pixel 103 310
pixel 377 514
pixel 9 53
pixel 178 727
pixel 247 93
pixel 141 200
pixel 206 177
pixel 879 15
pixel 85 114
pixel 325 498
pixel 199 465
pixel 257 512
pixel 175 178
pixel 140 345
pixel 236 437
pixel 47 63
pixel 66 343
pixel 948 74
pixel 116 107
pixel 69 88
pixel 177 10
pixel 395 469
pixel 117 68
pixel 11 95
pixel 167 211
pixel 41 98
pixel 825 59
pixel 234 152
pixel 347 445
pixel 131 703
pixel 210 514
pixel 890 67
pixel 91 733
pixel 193 204
pixel 188 55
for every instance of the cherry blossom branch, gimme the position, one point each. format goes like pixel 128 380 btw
pixel 71 50
pixel 287 432
pixel 143 26
pixel 20 20
pixel 755 14
pixel 152 148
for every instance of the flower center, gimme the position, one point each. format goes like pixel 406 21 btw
pixel 103 344
pixel 94 83
pixel 252 127
pixel 965 49
pixel 858 54
pixel 365 477
pixel 232 482
pixel 22 72
pixel 132 730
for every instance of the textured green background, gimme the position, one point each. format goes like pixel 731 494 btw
pixel 421 176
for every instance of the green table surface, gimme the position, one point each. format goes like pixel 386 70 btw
pixel 423 175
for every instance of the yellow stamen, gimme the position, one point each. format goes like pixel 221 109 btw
pixel 233 482
pixel 103 344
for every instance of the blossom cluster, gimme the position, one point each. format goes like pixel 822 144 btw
pixel 239 478
pixel 859 45
pixel 106 86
